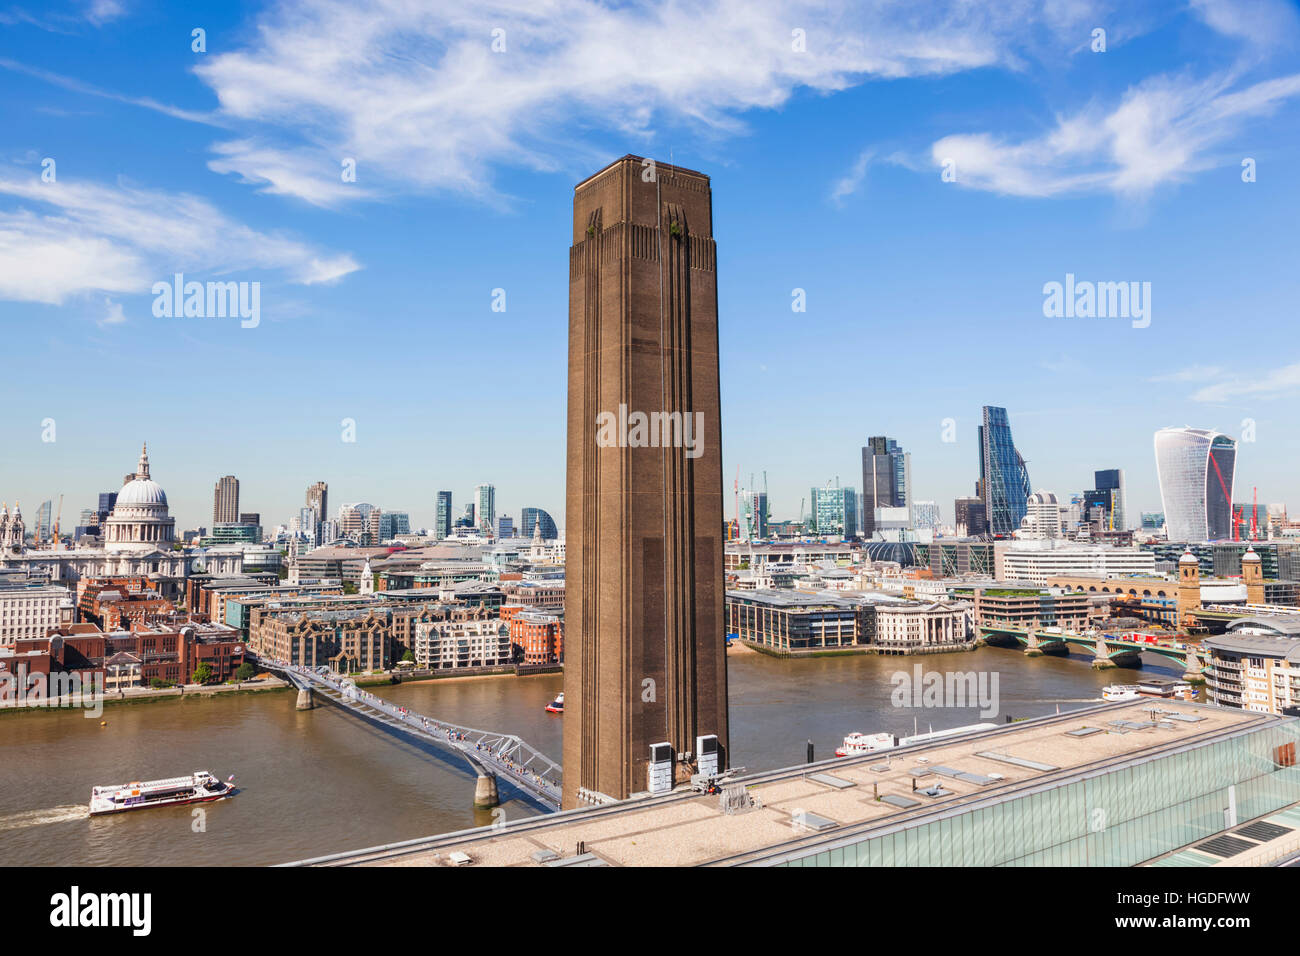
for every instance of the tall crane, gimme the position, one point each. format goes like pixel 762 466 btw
pixel 57 518
pixel 736 488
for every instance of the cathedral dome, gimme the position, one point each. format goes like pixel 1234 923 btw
pixel 140 521
pixel 142 491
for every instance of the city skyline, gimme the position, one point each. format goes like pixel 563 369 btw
pixel 1166 205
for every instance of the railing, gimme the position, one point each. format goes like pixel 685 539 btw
pixel 507 754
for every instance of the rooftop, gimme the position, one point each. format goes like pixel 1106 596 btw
pixel 840 795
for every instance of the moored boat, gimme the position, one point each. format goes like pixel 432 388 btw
pixel 198 787
pixel 1115 692
pixel 856 743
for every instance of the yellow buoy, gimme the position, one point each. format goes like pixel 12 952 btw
pixel 103 723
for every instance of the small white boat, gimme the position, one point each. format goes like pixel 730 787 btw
pixel 556 706
pixel 856 743
pixel 1115 692
pixel 198 787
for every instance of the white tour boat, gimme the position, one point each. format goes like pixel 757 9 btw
pixel 855 744
pixel 556 706
pixel 1120 692
pixel 198 787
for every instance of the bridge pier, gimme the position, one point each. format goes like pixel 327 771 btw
pixel 1031 644
pixel 1194 674
pixel 304 699
pixel 485 791
pixel 1101 657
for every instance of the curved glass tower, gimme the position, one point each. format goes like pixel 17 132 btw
pixel 1196 468
pixel 533 518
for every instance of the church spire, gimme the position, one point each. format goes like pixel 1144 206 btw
pixel 142 469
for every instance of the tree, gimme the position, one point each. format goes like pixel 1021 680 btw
pixel 203 673
pixel 408 656
pixel 245 671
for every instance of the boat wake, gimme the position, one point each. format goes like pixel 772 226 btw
pixel 36 818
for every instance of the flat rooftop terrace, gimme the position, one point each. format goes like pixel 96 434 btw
pixel 806 808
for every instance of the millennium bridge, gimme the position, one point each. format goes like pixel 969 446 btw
pixel 489 755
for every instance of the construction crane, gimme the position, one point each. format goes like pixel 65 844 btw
pixel 735 487
pixel 57 518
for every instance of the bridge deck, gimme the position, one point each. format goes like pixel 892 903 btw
pixel 503 755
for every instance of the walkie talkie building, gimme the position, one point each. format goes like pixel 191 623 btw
pixel 1196 468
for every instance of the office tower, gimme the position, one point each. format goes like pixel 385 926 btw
pixel 442 519
pixel 389 524
pixel 318 502
pixel 1042 516
pixel 1109 491
pixel 307 524
pixel 486 496
pixel 1004 479
pixel 467 519
pixel 1196 468
pixel 970 518
pixel 225 500
pixel 758 514
pixel 43 529
pixel 835 511
pixel 886 481
pixel 644 601
pixel 535 518
pixel 505 527
pixel 1152 521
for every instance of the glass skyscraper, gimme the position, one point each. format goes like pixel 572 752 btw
pixel 1004 479
pixel 532 518
pixel 1196 468
pixel 886 480
pixel 442 519
pixel 487 507
pixel 835 511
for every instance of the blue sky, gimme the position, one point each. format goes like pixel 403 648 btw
pixel 924 297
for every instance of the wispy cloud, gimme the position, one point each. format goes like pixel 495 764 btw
pixel 64 239
pixel 1193 373
pixel 1265 24
pixel 77 86
pixel 1279 383
pixel 1162 131
pixel 415 92
pixel 851 182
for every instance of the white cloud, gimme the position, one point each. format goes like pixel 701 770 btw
pixel 414 91
pixel 1193 373
pixel 102 11
pixel 1279 383
pixel 1162 131
pixel 851 181
pixel 114 314
pixel 66 239
pixel 1265 24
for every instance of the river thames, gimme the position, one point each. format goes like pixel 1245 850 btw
pixel 320 781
